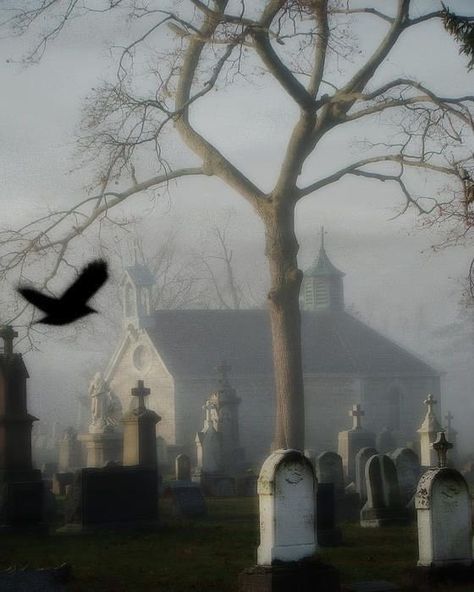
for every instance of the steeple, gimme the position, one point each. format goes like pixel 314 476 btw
pixel 136 289
pixel 323 287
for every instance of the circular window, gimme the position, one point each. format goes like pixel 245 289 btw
pixel 141 358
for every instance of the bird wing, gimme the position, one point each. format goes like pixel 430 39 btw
pixel 91 278
pixel 44 303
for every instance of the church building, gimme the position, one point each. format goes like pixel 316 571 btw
pixel 345 362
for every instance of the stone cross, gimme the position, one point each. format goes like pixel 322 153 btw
pixel 441 445
pixel 356 413
pixel 141 392
pixel 449 417
pixel 430 402
pixel 8 334
pixel 223 370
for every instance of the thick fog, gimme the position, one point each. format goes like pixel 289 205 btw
pixel 395 280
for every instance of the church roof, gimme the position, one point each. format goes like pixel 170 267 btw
pixel 192 342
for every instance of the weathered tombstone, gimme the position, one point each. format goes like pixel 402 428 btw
pixel 182 465
pixel 383 506
pixel 328 534
pixel 139 431
pixel 361 460
pixel 188 500
pixel 443 506
pixel 386 441
pixel 408 468
pixel 351 441
pixel 329 470
pixel 113 497
pixel 21 487
pixel 428 433
pixel 286 489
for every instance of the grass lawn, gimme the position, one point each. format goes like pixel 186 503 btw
pixel 202 555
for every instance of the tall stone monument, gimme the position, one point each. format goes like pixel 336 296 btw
pixel 351 441
pixel 21 487
pixel 428 433
pixel 104 441
pixel 139 433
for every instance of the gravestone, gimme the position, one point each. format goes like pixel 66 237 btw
pixel 139 431
pixel 328 534
pixel 329 470
pixel 187 498
pixel 383 506
pixel 112 497
pixel 21 487
pixel 182 465
pixel 428 433
pixel 361 460
pixel 351 441
pixel 443 506
pixel 285 556
pixel 408 468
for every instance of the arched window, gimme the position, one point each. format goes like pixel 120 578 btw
pixel 129 298
pixel 394 408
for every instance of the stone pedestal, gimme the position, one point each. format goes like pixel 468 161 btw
pixel 21 487
pixel 301 576
pixel 102 448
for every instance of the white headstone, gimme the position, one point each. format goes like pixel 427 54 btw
pixel 443 506
pixel 286 489
pixel 428 433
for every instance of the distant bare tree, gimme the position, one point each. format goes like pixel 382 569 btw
pixel 198 46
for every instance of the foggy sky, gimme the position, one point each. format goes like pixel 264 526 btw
pixel 390 267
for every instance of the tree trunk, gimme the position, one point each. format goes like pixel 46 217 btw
pixel 281 251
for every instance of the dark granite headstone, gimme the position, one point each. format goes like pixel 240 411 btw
pixel 328 534
pixel 113 496
pixel 188 500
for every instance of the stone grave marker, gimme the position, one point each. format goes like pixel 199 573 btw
pixel 443 506
pixel 408 468
pixel 428 432
pixel 329 470
pixel 383 506
pixel 351 441
pixel 182 466
pixel 328 534
pixel 361 460
pixel 287 493
pixel 188 500
pixel 61 481
pixel 113 497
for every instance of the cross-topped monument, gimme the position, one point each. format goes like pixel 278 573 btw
pixel 223 369
pixel 430 402
pixel 357 413
pixel 141 392
pixel 8 334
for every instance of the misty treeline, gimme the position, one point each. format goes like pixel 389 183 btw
pixel 328 61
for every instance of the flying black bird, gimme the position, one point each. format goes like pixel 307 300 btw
pixel 73 303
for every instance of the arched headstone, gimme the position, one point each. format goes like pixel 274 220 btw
pixel 383 506
pixel 361 460
pixel 286 489
pixel 329 469
pixel 408 468
pixel 182 465
pixel 443 506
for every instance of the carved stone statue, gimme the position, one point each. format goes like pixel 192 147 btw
pixel 106 409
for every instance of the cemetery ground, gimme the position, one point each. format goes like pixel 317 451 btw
pixel 204 555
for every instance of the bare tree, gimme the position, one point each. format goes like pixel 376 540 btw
pixel 199 45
